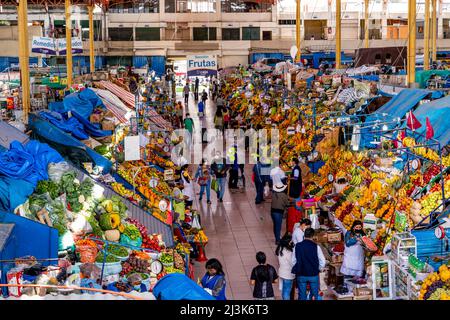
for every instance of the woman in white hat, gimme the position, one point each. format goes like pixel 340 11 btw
pixel 280 202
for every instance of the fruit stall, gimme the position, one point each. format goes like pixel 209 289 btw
pixel 399 185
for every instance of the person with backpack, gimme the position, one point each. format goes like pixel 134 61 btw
pixel 262 278
pixel 203 176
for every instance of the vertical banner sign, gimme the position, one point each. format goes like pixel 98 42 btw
pixel 44 45
pixel 201 65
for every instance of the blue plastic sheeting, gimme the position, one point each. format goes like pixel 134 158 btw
pixel 158 64
pixel 71 125
pixel 177 286
pixel 13 62
pixel 400 104
pixel 51 133
pixel 21 167
pixel 28 162
pixel 82 102
pixel 367 77
pixel 140 61
pixel 438 111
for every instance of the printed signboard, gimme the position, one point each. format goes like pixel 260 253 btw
pixel 44 45
pixel 201 65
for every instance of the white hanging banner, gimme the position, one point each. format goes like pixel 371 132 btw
pixel 132 148
pixel 44 45
pixel 77 46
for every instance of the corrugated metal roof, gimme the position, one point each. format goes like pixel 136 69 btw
pixel 8 133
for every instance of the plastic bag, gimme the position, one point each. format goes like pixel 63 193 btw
pixel 266 191
pixel 195 222
pixel 215 185
pixel 315 224
pixel 56 170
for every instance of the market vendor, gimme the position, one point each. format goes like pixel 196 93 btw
pixel 135 281
pixel 90 275
pixel 188 185
pixel 353 264
pixel 295 180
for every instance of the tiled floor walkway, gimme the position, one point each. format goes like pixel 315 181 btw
pixel 237 229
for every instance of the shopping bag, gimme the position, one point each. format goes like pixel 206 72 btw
pixel 266 191
pixel 315 224
pixel 215 185
pixel 195 222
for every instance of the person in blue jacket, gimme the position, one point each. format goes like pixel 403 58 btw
pixel 261 174
pixel 214 279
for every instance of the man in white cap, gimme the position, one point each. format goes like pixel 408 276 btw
pixel 280 202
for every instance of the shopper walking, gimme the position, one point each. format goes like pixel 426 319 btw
pixel 203 177
pixel 204 97
pixel 188 185
pixel 262 278
pixel 295 180
pixel 218 120
pixel 197 82
pixel 220 102
pixel 186 91
pixel 189 126
pixel 214 279
pixel 353 263
pixel 179 111
pixel 260 178
pixel 219 169
pixel 284 253
pixel 298 235
pixel 308 260
pixel 226 119
pixel 277 175
pixel 280 202
pixel 234 169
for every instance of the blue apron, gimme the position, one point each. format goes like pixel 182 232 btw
pixel 209 284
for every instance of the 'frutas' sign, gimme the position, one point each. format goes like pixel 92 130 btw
pixel 201 65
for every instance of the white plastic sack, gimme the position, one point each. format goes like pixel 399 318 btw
pixel 56 170
pixel 196 222
pixel 81 225
pixel 315 224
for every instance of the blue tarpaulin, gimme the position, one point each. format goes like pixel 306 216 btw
pixel 71 125
pixel 400 104
pixel 367 77
pixel 177 286
pixel 438 111
pixel 82 102
pixel 21 167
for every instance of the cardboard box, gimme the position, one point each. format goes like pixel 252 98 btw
pixel 366 297
pixel 108 125
pixel 96 118
pixel 334 236
pixel 364 291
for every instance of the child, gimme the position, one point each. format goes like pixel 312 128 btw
pixel 214 279
pixel 262 277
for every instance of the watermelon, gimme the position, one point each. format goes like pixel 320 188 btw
pixel 369 244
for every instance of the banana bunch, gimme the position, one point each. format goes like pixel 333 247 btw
pixel 446 161
pixel 392 179
pixel 356 180
pixel 409 142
